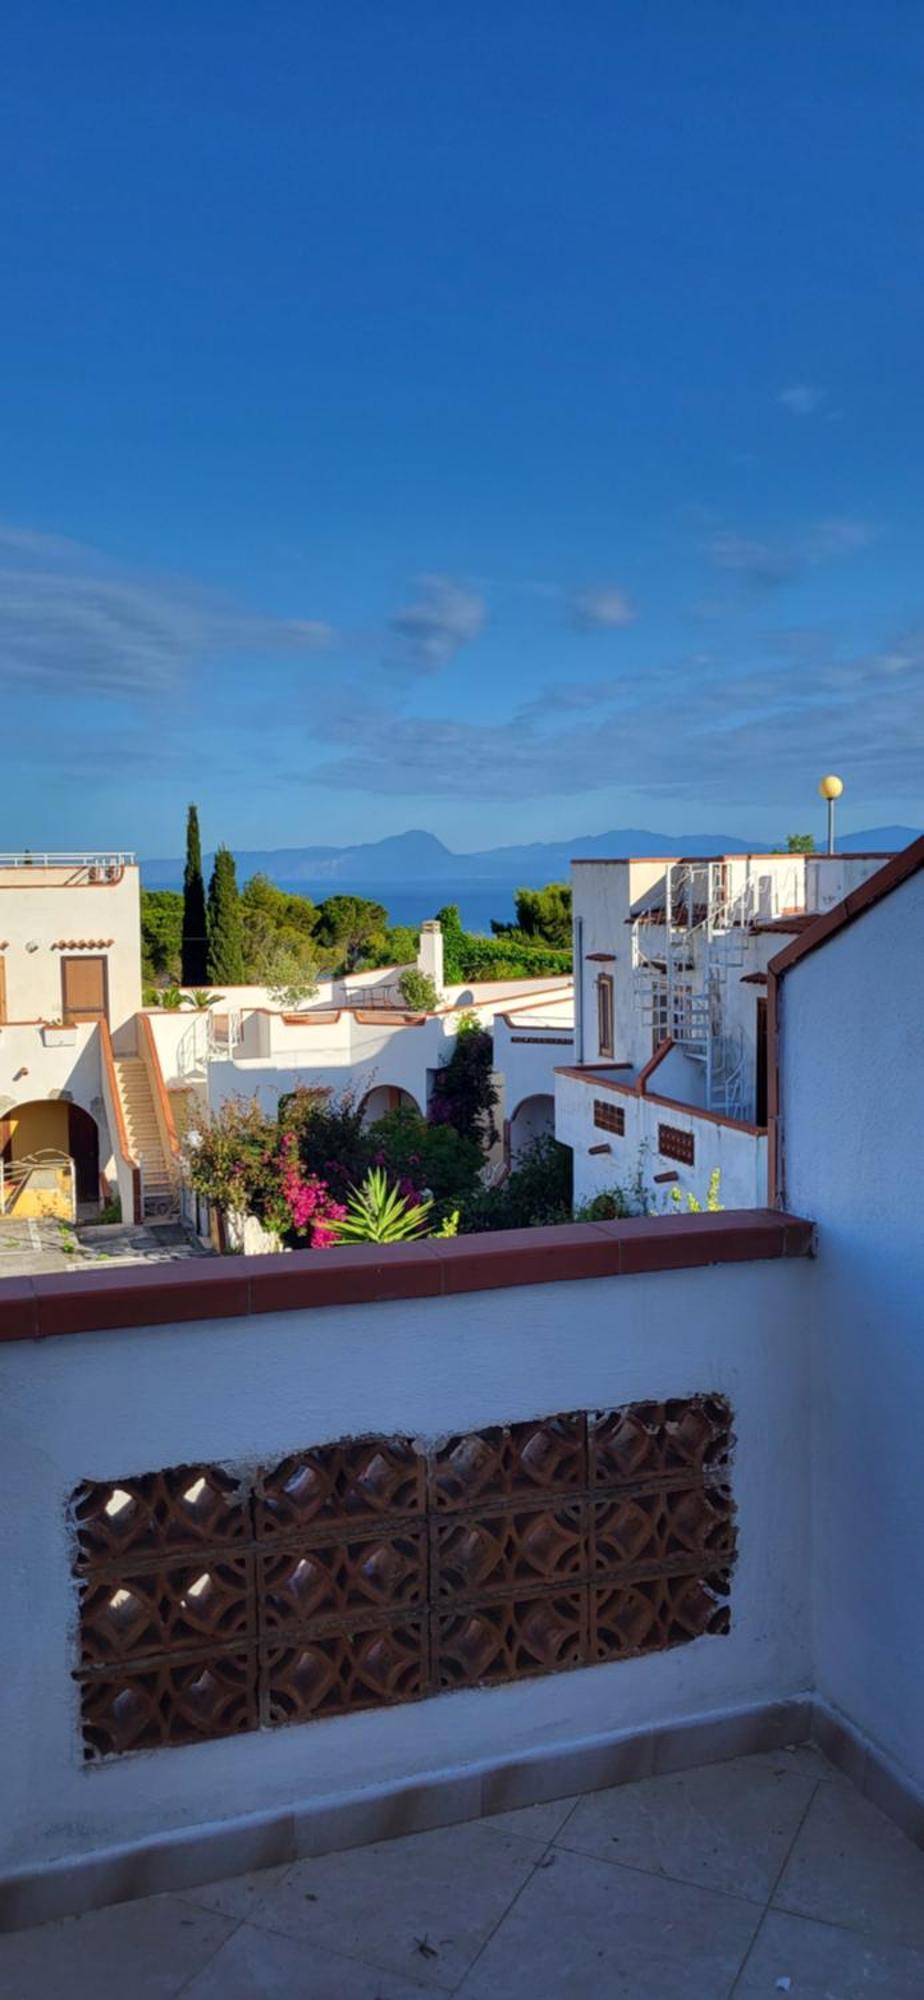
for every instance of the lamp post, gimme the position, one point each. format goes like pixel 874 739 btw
pixel 831 789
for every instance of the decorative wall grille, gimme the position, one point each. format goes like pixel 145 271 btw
pixel 609 1117
pixel 675 1144
pixel 363 1573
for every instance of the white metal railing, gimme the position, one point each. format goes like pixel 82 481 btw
pixel 102 866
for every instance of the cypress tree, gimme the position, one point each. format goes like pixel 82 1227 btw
pixel 194 946
pixel 225 955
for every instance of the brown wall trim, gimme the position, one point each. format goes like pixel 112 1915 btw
pixel 235 1287
pixel 587 1075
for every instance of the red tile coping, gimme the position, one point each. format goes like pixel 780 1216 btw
pixel 238 1287
pixel 591 1075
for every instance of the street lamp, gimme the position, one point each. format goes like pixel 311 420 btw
pixel 831 789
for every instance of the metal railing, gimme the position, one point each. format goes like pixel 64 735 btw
pixel 42 1173
pixel 29 859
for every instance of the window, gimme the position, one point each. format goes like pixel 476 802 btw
pixel 610 1117
pixel 676 1145
pixel 605 1014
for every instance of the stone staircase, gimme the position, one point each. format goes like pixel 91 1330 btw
pixel 158 1182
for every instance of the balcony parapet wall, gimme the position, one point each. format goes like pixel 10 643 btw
pixel 240 1287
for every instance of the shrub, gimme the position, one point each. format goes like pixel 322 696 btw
pixel 536 1191
pixel 332 1142
pixel 420 1156
pixel 418 991
pixel 464 1094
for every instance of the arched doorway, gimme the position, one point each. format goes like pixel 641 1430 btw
pixel 48 1125
pixel 385 1097
pixel 534 1118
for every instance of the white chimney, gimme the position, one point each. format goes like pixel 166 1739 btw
pixel 430 953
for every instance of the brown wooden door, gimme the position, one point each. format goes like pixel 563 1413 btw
pixel 2 989
pixel 84 992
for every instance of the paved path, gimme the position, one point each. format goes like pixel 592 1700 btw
pixel 768 1875
pixel 31 1248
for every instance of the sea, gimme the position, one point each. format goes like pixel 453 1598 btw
pixel 478 902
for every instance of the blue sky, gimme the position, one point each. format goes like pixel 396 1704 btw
pixel 499 418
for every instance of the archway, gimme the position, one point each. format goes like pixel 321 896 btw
pixel 385 1097
pixel 49 1125
pixel 534 1118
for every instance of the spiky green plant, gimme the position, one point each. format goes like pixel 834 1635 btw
pixel 377 1212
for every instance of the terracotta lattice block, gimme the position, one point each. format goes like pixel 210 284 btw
pixel 649 1615
pixel 172 1701
pixel 335 1673
pixel 658 1440
pixel 510 1639
pixel 662 1526
pixel 509 1462
pixel 166 1609
pixel 333 1579
pixel 188 1506
pixel 512 1551
pixel 359 1574
pixel 352 1482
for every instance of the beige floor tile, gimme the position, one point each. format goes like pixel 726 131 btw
pixel 146 1950
pixel 584 1928
pixel 724 1826
pixel 826 1962
pixel 263 1965
pixel 851 1866
pixel 422 1906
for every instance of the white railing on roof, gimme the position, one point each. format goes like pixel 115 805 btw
pixel 102 861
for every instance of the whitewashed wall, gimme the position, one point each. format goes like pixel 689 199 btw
pixel 852 1074
pixel 739 1155
pixel 38 907
pixel 104 1406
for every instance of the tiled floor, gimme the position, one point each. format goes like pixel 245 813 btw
pixel 763 1876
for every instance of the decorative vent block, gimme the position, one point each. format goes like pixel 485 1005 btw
pixel 609 1117
pixel 676 1144
pixel 362 1573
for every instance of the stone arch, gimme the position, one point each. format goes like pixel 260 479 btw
pixel 54 1125
pixel 534 1118
pixel 383 1097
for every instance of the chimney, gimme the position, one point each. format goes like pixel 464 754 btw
pixel 430 953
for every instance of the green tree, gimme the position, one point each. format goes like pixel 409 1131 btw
pixel 161 935
pixel 225 956
pixel 464 1094
pixel 543 917
pixel 800 843
pixel 349 924
pixel 194 952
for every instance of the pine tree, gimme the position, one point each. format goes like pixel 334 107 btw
pixel 194 950
pixel 225 953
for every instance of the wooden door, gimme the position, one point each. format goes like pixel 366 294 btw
pixel 84 992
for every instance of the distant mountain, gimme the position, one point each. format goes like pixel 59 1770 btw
pixel 417 859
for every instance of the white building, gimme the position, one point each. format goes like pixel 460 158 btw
pixel 670 1075
pixel 95 1089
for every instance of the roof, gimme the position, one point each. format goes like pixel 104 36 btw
pixel 874 890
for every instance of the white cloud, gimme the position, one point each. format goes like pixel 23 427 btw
pixel 802 399
pixel 72 622
pixel 605 606
pixel 444 616
pixel 771 560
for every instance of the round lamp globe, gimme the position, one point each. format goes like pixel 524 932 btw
pixel 831 787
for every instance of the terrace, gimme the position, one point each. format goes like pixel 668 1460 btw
pixel 422 1598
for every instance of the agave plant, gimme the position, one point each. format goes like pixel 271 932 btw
pixel 378 1212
